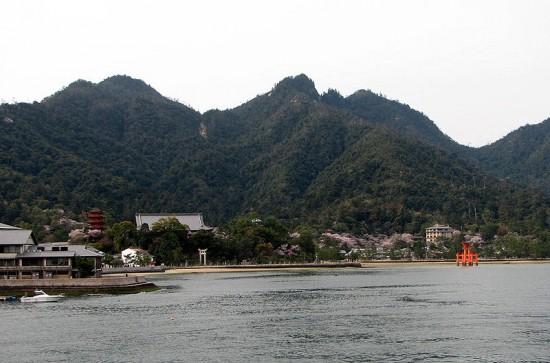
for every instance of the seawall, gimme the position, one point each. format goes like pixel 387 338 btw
pixel 122 270
pixel 104 284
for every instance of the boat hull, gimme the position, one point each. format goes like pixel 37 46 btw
pixel 40 299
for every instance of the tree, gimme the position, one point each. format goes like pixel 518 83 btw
pixel 205 239
pixel 264 252
pixel 123 235
pixel 419 249
pixel 306 243
pixel 168 224
pixel 488 231
pixel 85 266
pixel 140 259
pixel 167 249
pixel 244 233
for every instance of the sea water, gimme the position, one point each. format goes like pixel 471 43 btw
pixel 490 313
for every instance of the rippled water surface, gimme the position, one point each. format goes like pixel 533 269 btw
pixel 492 313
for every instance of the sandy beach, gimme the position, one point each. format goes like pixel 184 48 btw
pixel 214 269
pixel 369 264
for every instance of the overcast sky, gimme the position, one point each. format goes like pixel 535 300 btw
pixel 479 69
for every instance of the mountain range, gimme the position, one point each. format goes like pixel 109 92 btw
pixel 361 163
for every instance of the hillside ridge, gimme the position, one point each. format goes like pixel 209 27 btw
pixel 362 162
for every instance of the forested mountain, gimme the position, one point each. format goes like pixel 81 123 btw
pixel 118 145
pixel 401 118
pixel 523 156
pixel 361 163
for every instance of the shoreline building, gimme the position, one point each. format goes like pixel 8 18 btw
pixel 21 257
pixel 438 231
pixel 194 221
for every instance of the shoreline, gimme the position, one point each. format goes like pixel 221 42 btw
pixel 382 264
pixel 305 267
pixel 243 268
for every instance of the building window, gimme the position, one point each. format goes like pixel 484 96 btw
pixel 7 263
pixel 9 249
pixel 59 261
pixel 32 262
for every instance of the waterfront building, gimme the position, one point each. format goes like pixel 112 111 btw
pixel 193 220
pixel 21 257
pixel 438 231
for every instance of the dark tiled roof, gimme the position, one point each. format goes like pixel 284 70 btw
pixel 193 220
pixel 76 250
pixel 41 254
pixel 7 226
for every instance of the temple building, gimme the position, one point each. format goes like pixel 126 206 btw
pixel 21 257
pixel 192 220
pixel 96 220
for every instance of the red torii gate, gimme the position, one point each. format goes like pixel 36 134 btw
pixel 467 257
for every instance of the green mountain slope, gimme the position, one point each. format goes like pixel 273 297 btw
pixel 390 183
pixel 522 156
pixel 306 156
pixel 356 163
pixel 117 145
pixel 400 117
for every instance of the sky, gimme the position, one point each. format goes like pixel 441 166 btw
pixel 478 69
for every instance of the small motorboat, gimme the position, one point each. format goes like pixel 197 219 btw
pixel 41 296
pixel 8 298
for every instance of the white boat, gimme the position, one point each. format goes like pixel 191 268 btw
pixel 41 296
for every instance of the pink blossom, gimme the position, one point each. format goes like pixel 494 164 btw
pixel 95 233
pixel 287 250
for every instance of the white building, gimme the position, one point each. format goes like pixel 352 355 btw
pixel 438 231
